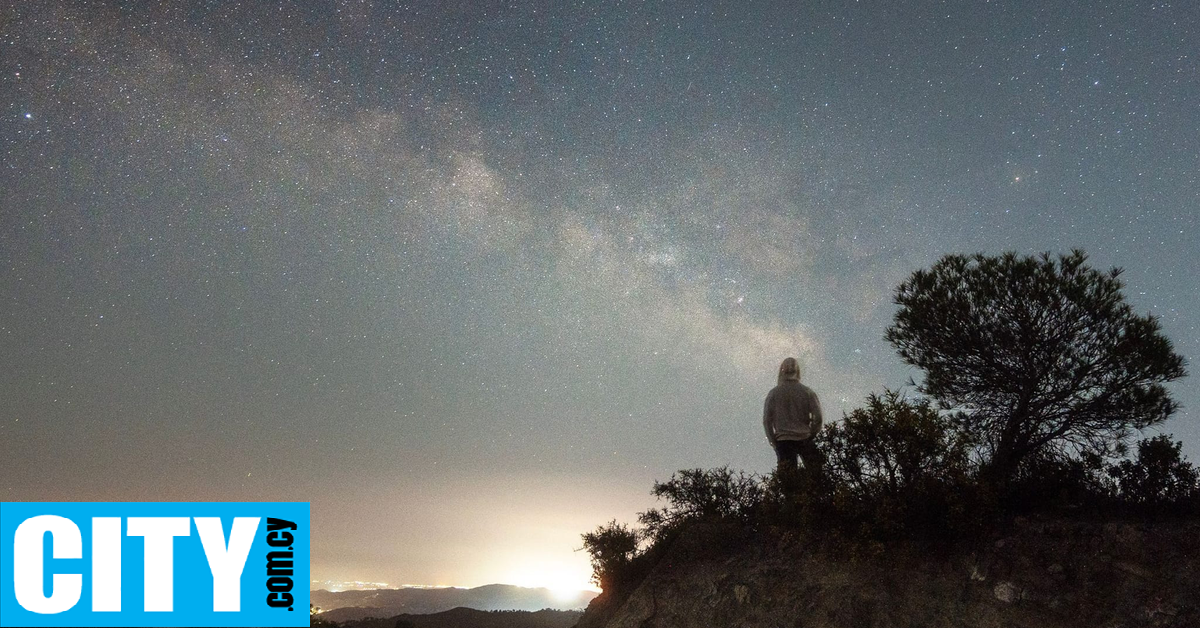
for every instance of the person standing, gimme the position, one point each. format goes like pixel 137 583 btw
pixel 791 418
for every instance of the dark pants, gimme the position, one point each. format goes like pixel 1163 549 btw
pixel 787 450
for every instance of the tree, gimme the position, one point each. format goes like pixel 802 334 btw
pixel 1043 356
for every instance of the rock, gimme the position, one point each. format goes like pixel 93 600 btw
pixel 1006 592
pixel 1055 569
pixel 976 574
pixel 1123 533
pixel 1131 568
pixel 1158 609
pixel 742 593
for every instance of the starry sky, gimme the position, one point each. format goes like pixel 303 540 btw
pixel 470 276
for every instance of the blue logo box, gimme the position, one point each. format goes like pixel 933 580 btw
pixel 154 564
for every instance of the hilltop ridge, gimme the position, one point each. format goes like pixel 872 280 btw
pixel 1039 572
pixel 358 604
pixel 461 617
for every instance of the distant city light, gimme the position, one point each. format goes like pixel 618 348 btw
pixel 336 586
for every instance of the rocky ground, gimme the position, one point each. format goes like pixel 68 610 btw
pixel 1037 573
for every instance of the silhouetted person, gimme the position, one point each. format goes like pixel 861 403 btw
pixel 791 418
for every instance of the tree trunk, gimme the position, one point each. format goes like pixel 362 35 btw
pixel 1013 446
pixel 998 472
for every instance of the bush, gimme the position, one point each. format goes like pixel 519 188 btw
pixel 1160 478
pixel 894 447
pixel 897 465
pixel 695 494
pixel 314 618
pixel 692 495
pixel 1055 481
pixel 612 547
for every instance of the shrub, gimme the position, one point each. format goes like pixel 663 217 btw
pixel 1055 480
pixel 1160 478
pixel 894 446
pixel 897 465
pixel 612 547
pixel 694 494
pixel 314 618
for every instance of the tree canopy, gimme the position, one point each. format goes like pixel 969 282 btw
pixel 1041 355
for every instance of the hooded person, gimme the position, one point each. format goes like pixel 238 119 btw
pixel 791 418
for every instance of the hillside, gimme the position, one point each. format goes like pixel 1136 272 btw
pixel 346 605
pixel 1039 572
pixel 472 618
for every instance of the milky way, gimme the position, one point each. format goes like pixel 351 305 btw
pixel 469 277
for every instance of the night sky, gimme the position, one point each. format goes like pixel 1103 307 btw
pixel 470 276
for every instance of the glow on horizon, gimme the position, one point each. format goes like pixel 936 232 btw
pixel 564 581
pixel 337 586
pixel 560 591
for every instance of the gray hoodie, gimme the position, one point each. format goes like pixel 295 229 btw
pixel 791 412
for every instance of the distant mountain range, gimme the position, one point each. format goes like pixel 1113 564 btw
pixel 461 617
pixel 345 605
